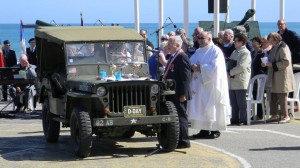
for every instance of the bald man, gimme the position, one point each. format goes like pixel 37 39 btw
pixel 291 38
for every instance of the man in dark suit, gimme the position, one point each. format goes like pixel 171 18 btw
pixel 291 38
pixel 149 45
pixel 10 59
pixel 31 52
pixel 228 43
pixel 179 69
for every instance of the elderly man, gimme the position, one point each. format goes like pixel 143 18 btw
pixel 291 38
pixel 197 31
pixel 228 46
pixel 28 90
pixel 209 108
pixel 149 45
pixel 181 32
pixel 178 68
pixel 187 47
pixel 144 34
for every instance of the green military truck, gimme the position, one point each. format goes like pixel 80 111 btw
pixel 95 80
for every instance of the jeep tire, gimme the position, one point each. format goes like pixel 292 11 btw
pixel 51 127
pixel 81 132
pixel 169 133
pixel 128 134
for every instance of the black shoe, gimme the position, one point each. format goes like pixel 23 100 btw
pixel 201 134
pixel 209 135
pixel 216 134
pixel 182 145
pixel 213 135
pixel 233 124
pixel 242 123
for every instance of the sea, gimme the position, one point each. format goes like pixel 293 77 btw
pixel 11 32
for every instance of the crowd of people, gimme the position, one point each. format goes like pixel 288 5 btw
pixel 212 76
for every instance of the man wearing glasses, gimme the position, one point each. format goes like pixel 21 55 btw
pixel 10 60
pixel 209 107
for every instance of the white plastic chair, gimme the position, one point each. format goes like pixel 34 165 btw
pixel 295 98
pixel 259 99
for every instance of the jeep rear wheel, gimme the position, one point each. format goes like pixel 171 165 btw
pixel 51 127
pixel 81 133
pixel 169 133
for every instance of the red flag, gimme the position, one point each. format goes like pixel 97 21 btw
pixel 81 21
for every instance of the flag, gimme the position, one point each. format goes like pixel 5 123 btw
pixel 22 38
pixel 72 70
pixel 81 21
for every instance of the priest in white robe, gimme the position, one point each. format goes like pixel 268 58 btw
pixel 209 109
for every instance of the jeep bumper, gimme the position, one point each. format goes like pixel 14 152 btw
pixel 122 121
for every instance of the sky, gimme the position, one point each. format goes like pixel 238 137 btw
pixel 122 11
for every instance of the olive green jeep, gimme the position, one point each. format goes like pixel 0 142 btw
pixel 95 80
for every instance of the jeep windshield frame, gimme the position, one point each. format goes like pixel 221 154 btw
pixel 105 52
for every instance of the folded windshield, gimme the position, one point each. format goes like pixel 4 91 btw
pixel 105 52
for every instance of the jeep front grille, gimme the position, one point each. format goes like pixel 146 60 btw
pixel 120 96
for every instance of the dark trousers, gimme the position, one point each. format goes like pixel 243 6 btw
pixel 19 99
pixel 278 99
pixel 260 112
pixel 238 105
pixel 183 122
pixel 4 92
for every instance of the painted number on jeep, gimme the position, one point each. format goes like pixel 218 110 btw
pixel 104 122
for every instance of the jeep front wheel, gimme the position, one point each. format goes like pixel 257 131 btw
pixel 169 133
pixel 128 134
pixel 51 127
pixel 81 132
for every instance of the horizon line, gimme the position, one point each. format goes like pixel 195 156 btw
pixel 143 22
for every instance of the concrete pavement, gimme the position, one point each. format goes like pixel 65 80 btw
pixel 22 145
pixel 259 145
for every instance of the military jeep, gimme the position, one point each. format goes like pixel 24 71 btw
pixel 95 80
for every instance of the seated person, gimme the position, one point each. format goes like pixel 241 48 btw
pixel 72 50
pixel 21 94
pixel 87 50
pixel 137 53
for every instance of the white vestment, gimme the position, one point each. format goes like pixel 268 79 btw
pixel 209 108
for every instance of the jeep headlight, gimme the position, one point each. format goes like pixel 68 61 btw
pixel 101 91
pixel 154 89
